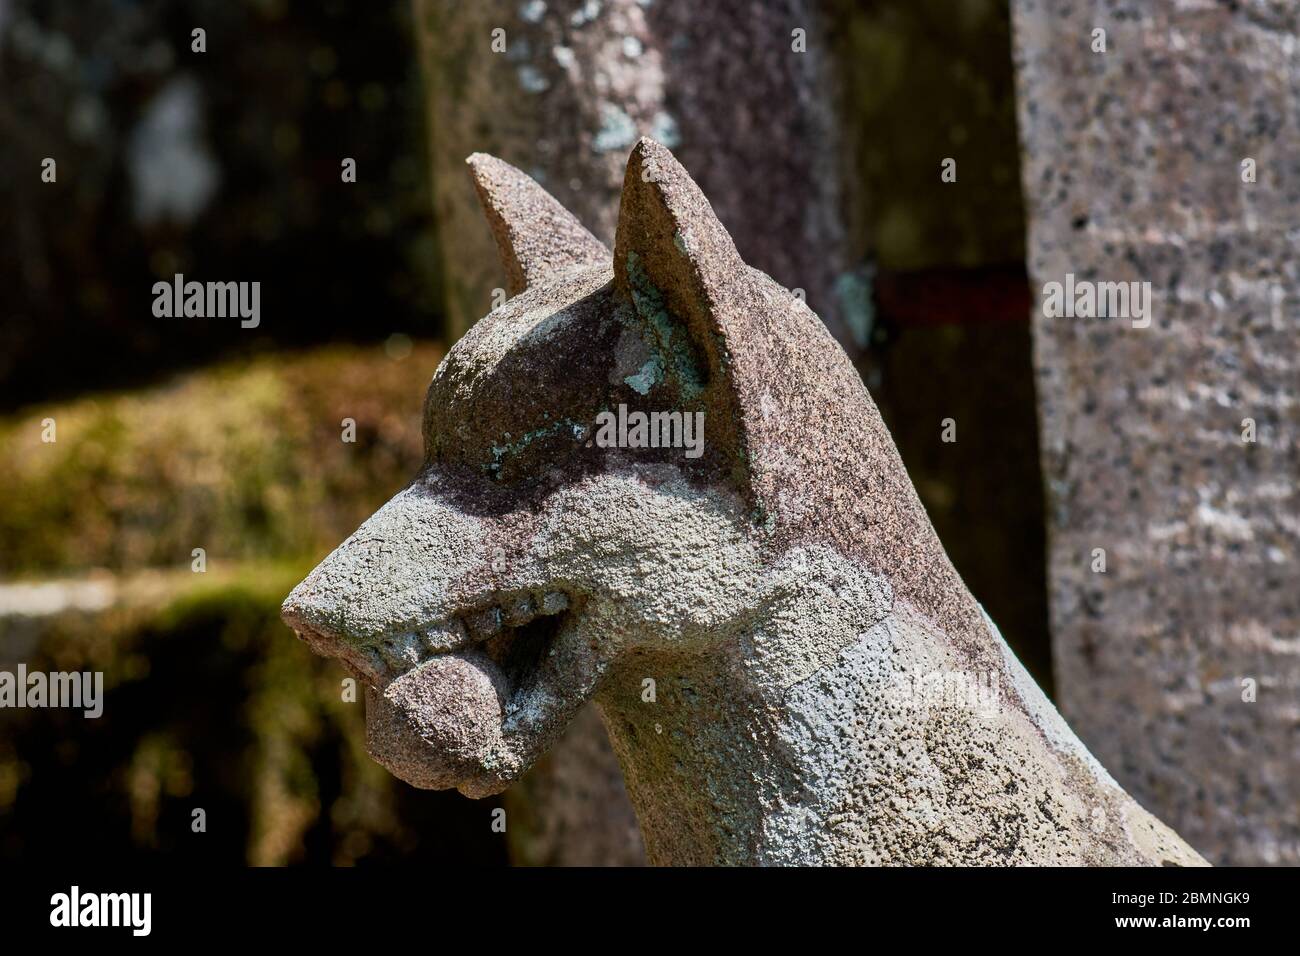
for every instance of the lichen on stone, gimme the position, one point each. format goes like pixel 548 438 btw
pixel 500 453
pixel 617 131
pixel 663 127
pixel 532 79
pixel 648 377
pixel 665 333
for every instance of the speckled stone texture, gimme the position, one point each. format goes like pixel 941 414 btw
pixel 578 83
pixel 758 624
pixel 581 80
pixel 1133 171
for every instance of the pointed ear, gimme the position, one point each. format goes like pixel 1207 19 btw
pixel 669 237
pixel 535 235
pixel 679 268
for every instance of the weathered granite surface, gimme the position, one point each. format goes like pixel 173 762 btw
pixel 577 84
pixel 762 625
pixel 1133 171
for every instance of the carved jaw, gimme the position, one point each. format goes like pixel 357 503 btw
pixel 476 718
pixel 471 700
pixel 470 673
pixel 497 627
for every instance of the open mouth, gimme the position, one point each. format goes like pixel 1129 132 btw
pixel 514 631
pixel 457 703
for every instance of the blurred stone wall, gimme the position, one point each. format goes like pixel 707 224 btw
pixel 741 91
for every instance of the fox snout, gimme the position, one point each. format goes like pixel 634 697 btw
pixel 305 614
pixel 316 612
pixel 448 646
pixel 434 701
pixel 386 598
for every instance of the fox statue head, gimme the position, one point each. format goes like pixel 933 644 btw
pixel 529 559
pixel 660 467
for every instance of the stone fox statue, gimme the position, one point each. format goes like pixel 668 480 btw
pixel 790 670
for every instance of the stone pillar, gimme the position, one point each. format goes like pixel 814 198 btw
pixel 576 82
pixel 1173 448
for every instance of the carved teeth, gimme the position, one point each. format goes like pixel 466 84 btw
pixel 484 624
pixel 449 636
pixel 401 650
pixel 520 611
pixel 397 653
pixel 554 602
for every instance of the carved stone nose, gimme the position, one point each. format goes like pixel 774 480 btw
pixel 305 614
pixel 294 612
pixel 314 619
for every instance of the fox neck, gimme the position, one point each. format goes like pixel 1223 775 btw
pixel 841 727
pixel 731 755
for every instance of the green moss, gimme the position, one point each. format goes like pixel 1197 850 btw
pixel 210 702
pixel 250 587
pixel 245 460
